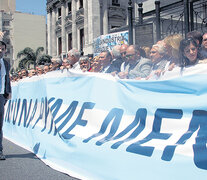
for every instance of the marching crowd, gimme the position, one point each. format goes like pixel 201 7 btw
pixel 132 62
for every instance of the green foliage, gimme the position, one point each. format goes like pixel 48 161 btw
pixel 31 57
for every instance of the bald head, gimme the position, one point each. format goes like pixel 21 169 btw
pixel 123 49
pixel 116 51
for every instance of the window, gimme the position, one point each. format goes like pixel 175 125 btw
pixel 59 45
pixel 69 41
pixel 6 23
pixel 112 27
pixel 80 4
pixel 115 3
pixel 69 7
pixel 81 39
pixel 59 13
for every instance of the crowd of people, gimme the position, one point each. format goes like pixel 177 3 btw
pixel 131 61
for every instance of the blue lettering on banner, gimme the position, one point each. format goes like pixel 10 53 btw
pixel 199 119
pixel 29 114
pixel 140 120
pixel 115 114
pixel 155 134
pixel 79 120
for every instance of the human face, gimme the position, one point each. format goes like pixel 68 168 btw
pixel 24 73
pixel 84 65
pixel 191 52
pixel 123 49
pixel 123 52
pixel 154 55
pixel 104 61
pixel 131 55
pixel 20 75
pixel 32 72
pixel 72 59
pixel 54 65
pixel 2 51
pixel 96 67
pixel 204 43
pixel 46 69
pixel 65 63
pixel 39 71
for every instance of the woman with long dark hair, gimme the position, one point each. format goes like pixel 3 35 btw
pixel 188 52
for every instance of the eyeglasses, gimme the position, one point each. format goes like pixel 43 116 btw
pixel 129 55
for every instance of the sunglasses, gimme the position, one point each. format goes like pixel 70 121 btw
pixel 130 55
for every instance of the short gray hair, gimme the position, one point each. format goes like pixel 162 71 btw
pixel 160 48
pixel 116 51
pixel 83 58
pixel 74 52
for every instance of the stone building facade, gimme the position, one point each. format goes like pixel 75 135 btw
pixel 6 27
pixel 76 23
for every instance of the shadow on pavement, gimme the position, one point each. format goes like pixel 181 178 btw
pixel 27 155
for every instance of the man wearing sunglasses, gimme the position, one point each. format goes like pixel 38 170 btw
pixel 138 67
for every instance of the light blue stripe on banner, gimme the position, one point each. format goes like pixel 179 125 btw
pixel 107 94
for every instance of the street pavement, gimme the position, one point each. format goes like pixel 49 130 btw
pixel 21 164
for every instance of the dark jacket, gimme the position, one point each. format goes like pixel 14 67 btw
pixel 115 65
pixel 7 80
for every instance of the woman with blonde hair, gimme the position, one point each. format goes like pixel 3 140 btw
pixel 172 43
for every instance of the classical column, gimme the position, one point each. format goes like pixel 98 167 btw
pixel 94 21
pixel 105 17
pixel 63 15
pixel 140 10
pixel 130 22
pixel 74 28
pixel 157 10
pixel 85 6
pixel 49 31
pixel 53 39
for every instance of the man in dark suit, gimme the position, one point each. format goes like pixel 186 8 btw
pixel 5 90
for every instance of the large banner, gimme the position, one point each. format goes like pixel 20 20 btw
pixel 108 41
pixel 95 126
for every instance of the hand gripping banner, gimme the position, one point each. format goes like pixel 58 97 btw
pixel 95 126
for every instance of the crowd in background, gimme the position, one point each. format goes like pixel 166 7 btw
pixel 132 62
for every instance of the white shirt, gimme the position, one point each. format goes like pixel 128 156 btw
pixel 3 74
pixel 76 66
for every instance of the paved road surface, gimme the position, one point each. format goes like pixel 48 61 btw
pixel 21 164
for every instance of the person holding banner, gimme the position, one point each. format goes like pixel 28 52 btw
pixel 159 61
pixel 116 60
pixel 105 59
pixel 73 57
pixel 5 90
pixel 189 52
pixel 138 67
pixel 84 63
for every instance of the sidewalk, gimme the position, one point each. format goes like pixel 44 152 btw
pixel 21 164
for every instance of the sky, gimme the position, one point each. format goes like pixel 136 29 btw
pixel 37 7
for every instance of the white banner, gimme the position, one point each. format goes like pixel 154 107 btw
pixel 94 126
